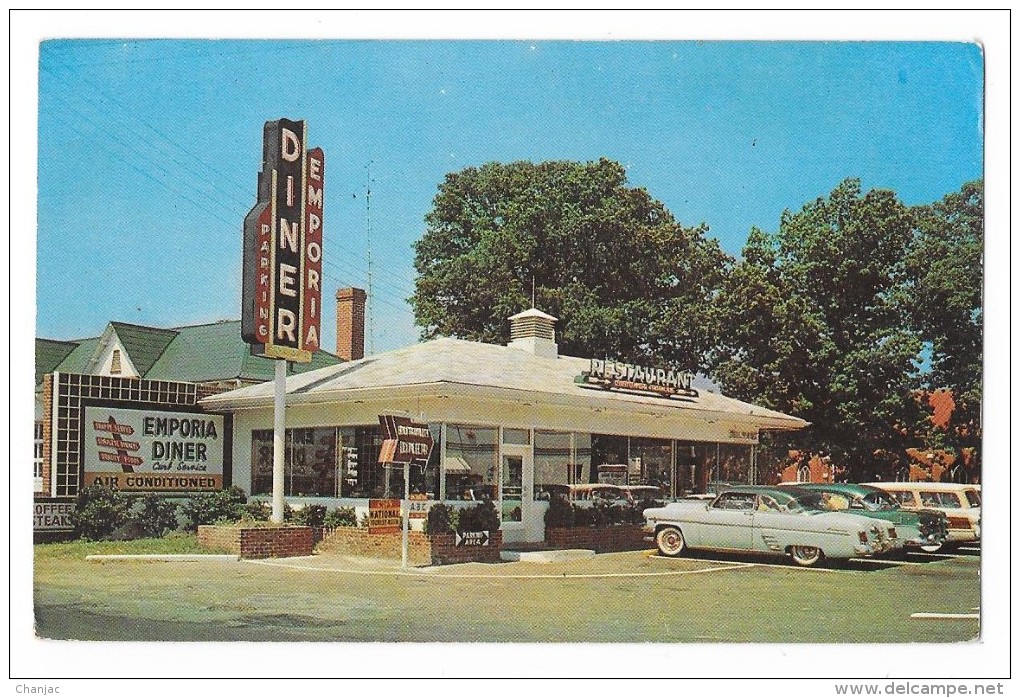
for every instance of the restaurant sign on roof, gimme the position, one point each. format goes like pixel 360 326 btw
pixel 614 375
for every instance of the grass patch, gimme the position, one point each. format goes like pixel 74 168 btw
pixel 171 544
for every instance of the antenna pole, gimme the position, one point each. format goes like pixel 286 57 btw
pixel 368 243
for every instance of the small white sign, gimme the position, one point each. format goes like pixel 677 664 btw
pixel 52 516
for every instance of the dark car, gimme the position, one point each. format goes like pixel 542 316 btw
pixel 925 529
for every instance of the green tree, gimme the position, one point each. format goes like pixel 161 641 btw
pixel 945 302
pixel 813 323
pixel 627 281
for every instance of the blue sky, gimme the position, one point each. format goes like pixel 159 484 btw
pixel 149 150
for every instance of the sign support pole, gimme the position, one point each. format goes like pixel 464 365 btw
pixel 405 510
pixel 279 427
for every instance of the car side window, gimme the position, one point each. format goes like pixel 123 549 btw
pixel 946 500
pixel 737 501
pixel 905 498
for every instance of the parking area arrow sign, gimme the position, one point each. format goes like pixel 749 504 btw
pixel 471 538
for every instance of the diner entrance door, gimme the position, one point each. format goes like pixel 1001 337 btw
pixel 515 489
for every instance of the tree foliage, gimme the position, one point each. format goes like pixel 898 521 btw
pixel 814 322
pixel 627 281
pixel 945 302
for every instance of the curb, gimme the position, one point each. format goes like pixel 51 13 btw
pixel 198 557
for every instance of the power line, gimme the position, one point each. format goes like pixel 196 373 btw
pixel 214 184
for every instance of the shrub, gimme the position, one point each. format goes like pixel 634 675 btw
pixel 156 516
pixel 310 515
pixel 441 519
pixel 213 507
pixel 99 511
pixel 560 514
pixel 584 516
pixel 481 517
pixel 340 517
pixel 256 510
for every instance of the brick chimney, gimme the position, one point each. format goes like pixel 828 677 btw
pixel 350 324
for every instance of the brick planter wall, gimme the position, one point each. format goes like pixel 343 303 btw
pixel 422 549
pixel 258 543
pixel 607 539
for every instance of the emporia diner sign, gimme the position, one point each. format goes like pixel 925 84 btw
pixel 282 267
pixel 613 375
pixel 153 451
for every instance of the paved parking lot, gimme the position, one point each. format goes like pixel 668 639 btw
pixel 620 597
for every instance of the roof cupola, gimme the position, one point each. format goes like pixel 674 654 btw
pixel 532 331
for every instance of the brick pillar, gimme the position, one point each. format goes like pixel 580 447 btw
pixel 350 324
pixel 47 420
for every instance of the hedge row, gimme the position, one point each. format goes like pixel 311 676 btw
pixel 102 513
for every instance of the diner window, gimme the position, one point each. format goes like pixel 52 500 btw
pixel 650 462
pixel 471 462
pixel 310 462
pixel 696 463
pixel 554 463
pixel 609 459
pixel 362 477
pixel 734 464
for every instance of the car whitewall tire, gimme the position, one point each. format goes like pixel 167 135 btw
pixel 806 555
pixel 670 541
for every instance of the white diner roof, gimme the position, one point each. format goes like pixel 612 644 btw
pixel 483 370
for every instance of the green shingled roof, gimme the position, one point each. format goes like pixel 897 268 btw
pixel 202 353
pixel 78 360
pixel 49 353
pixel 195 354
pixel 144 345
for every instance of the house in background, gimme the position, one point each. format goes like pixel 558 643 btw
pixel 133 370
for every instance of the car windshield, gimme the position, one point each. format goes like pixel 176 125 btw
pixel 879 501
pixel 810 501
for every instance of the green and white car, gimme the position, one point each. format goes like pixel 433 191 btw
pixel 922 529
pixel 765 520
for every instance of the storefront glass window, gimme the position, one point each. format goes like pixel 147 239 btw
pixel 472 462
pixel 609 459
pixel 734 464
pixel 650 462
pixel 310 457
pixel 696 464
pixel 554 463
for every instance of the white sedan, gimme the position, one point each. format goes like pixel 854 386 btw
pixel 767 520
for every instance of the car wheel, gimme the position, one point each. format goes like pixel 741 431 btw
pixel 806 555
pixel 670 541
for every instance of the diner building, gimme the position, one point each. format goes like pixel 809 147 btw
pixel 512 424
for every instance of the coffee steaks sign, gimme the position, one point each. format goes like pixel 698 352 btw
pixel 613 375
pixel 406 441
pixel 152 450
pixel 52 515
pixel 282 267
